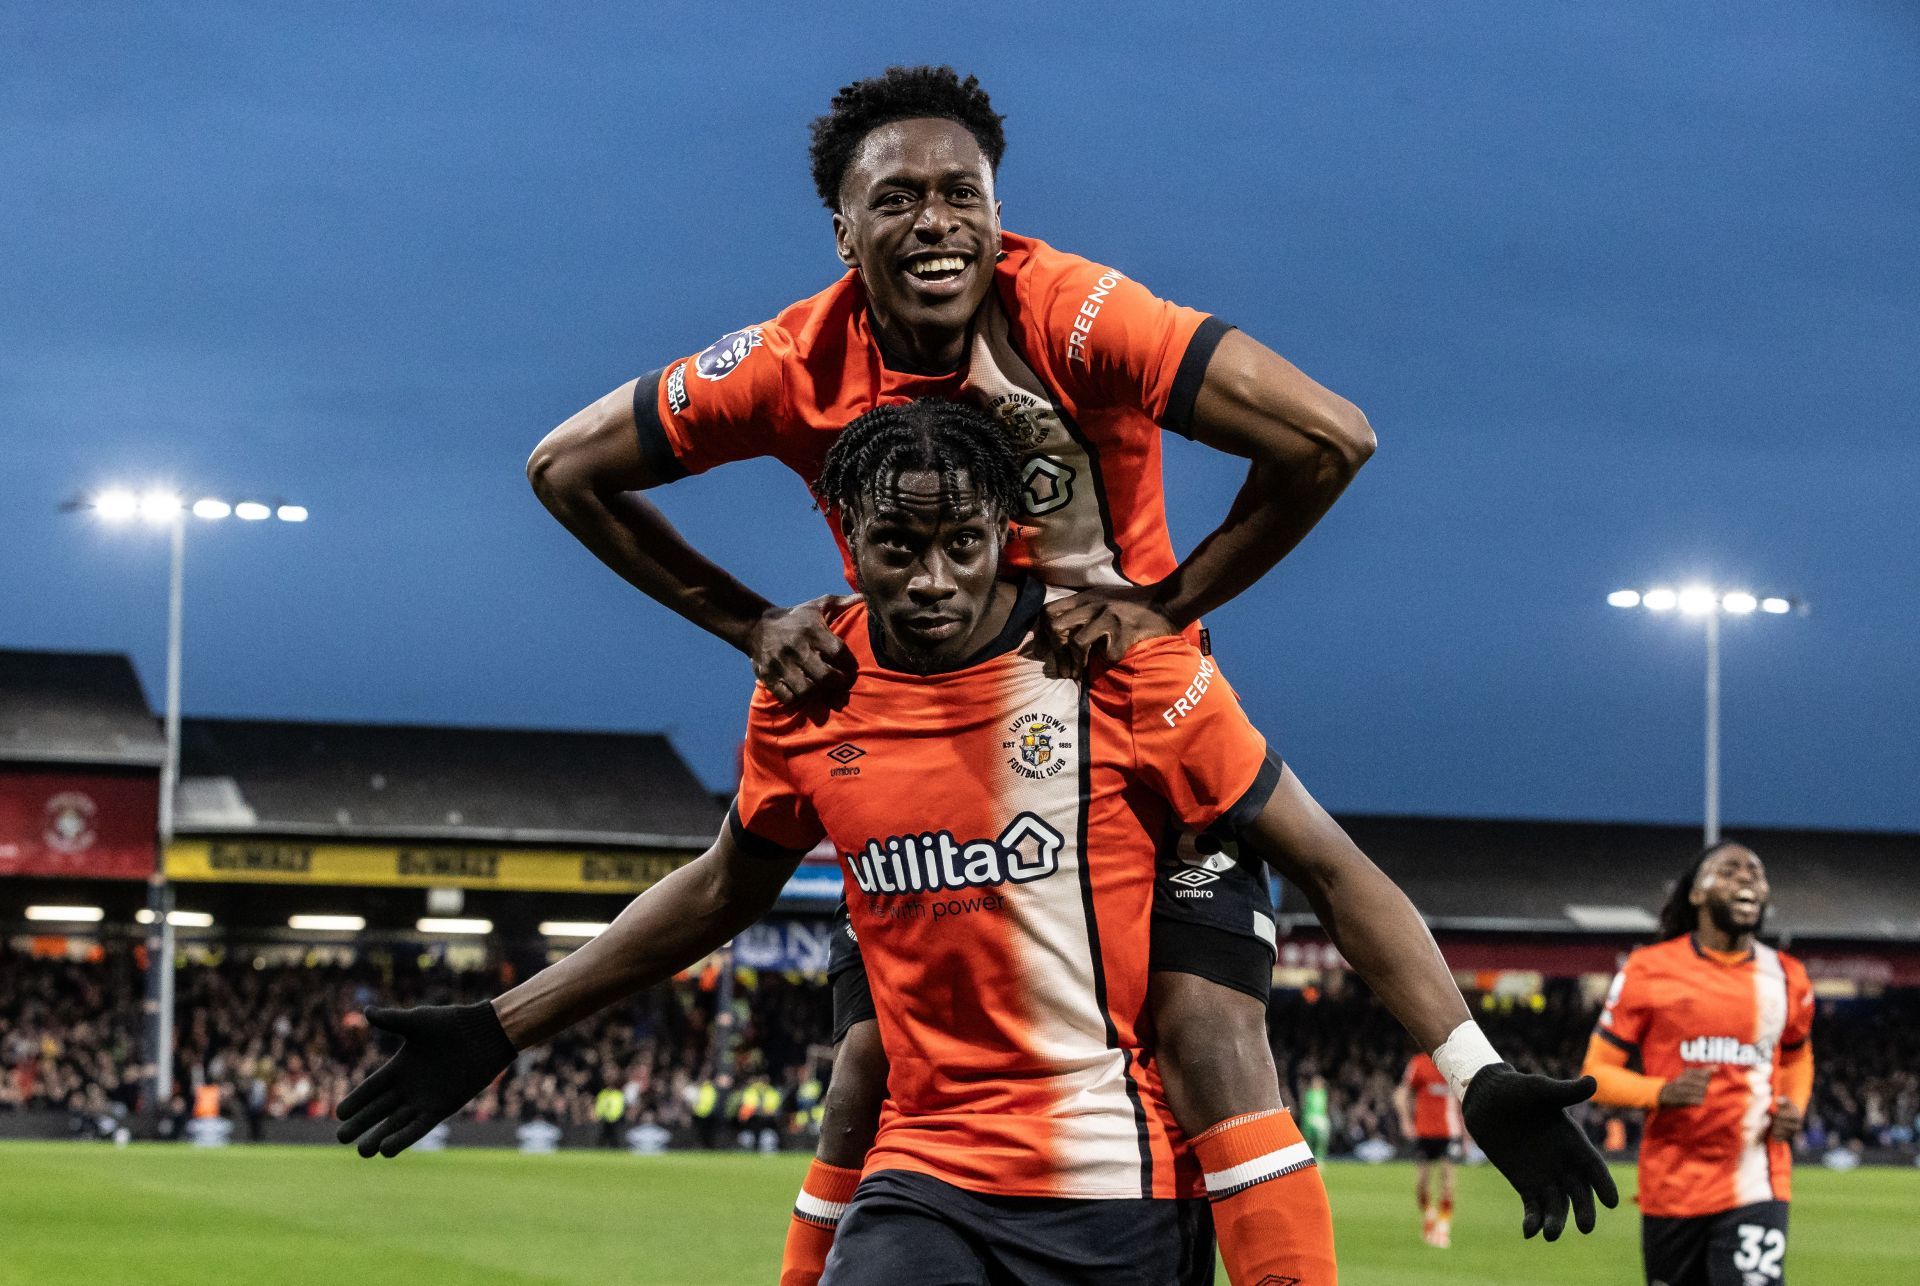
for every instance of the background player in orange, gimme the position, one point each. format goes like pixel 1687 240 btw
pixel 1006 881
pixel 1083 369
pixel 1710 1031
pixel 1430 1122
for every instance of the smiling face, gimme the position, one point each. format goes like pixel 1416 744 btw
pixel 926 553
pixel 919 221
pixel 1731 890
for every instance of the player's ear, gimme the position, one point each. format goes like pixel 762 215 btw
pixel 843 240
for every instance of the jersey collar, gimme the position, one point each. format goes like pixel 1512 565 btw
pixel 1031 597
pixel 1717 957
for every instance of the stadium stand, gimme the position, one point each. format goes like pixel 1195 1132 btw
pixel 524 827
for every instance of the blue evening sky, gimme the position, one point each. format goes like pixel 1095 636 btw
pixel 1631 293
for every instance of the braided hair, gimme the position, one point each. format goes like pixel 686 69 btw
pixel 943 437
pixel 900 94
pixel 1678 915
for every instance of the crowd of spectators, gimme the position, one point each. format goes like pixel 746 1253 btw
pixel 258 1043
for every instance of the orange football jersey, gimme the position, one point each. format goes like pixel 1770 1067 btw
pixel 1436 1113
pixel 997 831
pixel 1674 1007
pixel 1083 366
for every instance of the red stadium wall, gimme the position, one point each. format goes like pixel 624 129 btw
pixel 78 824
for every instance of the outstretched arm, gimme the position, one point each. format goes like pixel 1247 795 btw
pixel 1304 443
pixel 1519 1121
pixel 589 472
pixel 452 1052
pixel 693 911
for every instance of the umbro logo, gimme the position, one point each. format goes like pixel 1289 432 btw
pixel 1193 877
pixel 1275 1279
pixel 844 754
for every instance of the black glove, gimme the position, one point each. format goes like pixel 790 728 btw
pixel 450 1053
pixel 1521 1123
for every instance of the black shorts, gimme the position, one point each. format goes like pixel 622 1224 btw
pixel 1212 917
pixel 1435 1149
pixel 1746 1246
pixel 905 1227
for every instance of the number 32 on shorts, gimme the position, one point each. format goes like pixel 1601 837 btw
pixel 1761 1249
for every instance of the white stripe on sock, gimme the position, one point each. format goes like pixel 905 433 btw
pixel 1248 1173
pixel 814 1210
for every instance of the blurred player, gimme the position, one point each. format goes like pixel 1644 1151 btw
pixel 1710 1031
pixel 1430 1121
pixel 1082 369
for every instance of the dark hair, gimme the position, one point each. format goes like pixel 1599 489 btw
pixel 900 94
pixel 1678 915
pixel 948 438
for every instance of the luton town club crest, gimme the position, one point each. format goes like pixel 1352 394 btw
pixel 1039 746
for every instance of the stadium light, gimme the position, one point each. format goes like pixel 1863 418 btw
pixel 441 924
pixel 1709 604
pixel 165 506
pixel 252 511
pixel 178 919
pixel 327 923
pixel 572 928
pixel 67 914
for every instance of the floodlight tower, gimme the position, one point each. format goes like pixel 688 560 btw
pixel 1709 604
pixel 166 507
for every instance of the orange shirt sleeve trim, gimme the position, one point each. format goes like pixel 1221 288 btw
pixel 1606 1062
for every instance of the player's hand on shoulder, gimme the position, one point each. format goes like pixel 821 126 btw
pixel 1098 627
pixel 796 656
pixel 1688 1089
pixel 449 1053
pixel 1520 1121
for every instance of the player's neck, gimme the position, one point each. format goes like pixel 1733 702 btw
pixel 1712 938
pixel 918 352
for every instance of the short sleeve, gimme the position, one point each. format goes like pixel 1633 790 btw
pixel 1627 1011
pixel 1799 1025
pixel 1193 744
pixel 724 403
pixel 770 814
pixel 1111 341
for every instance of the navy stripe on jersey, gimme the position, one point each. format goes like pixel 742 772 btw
pixel 750 844
pixel 1192 373
pixel 662 464
pixel 1093 945
pixel 1618 1042
pixel 1246 810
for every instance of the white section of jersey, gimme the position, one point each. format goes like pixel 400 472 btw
pixel 1753 1177
pixel 1062 504
pixel 1096 1137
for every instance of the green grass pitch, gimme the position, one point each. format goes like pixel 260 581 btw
pixel 156 1216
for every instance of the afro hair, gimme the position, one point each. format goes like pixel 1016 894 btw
pixel 899 94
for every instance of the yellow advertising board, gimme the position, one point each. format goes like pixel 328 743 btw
pixel 252 861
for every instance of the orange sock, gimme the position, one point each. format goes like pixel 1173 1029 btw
pixel 824 1195
pixel 1269 1207
pixel 1446 1207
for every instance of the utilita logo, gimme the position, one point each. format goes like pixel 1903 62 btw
pixel 1027 850
pixel 1724 1049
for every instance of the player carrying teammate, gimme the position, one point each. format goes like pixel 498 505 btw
pixel 1430 1121
pixel 1006 870
pixel 1710 1031
pixel 1083 369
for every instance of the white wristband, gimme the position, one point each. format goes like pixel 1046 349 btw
pixel 1465 1051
